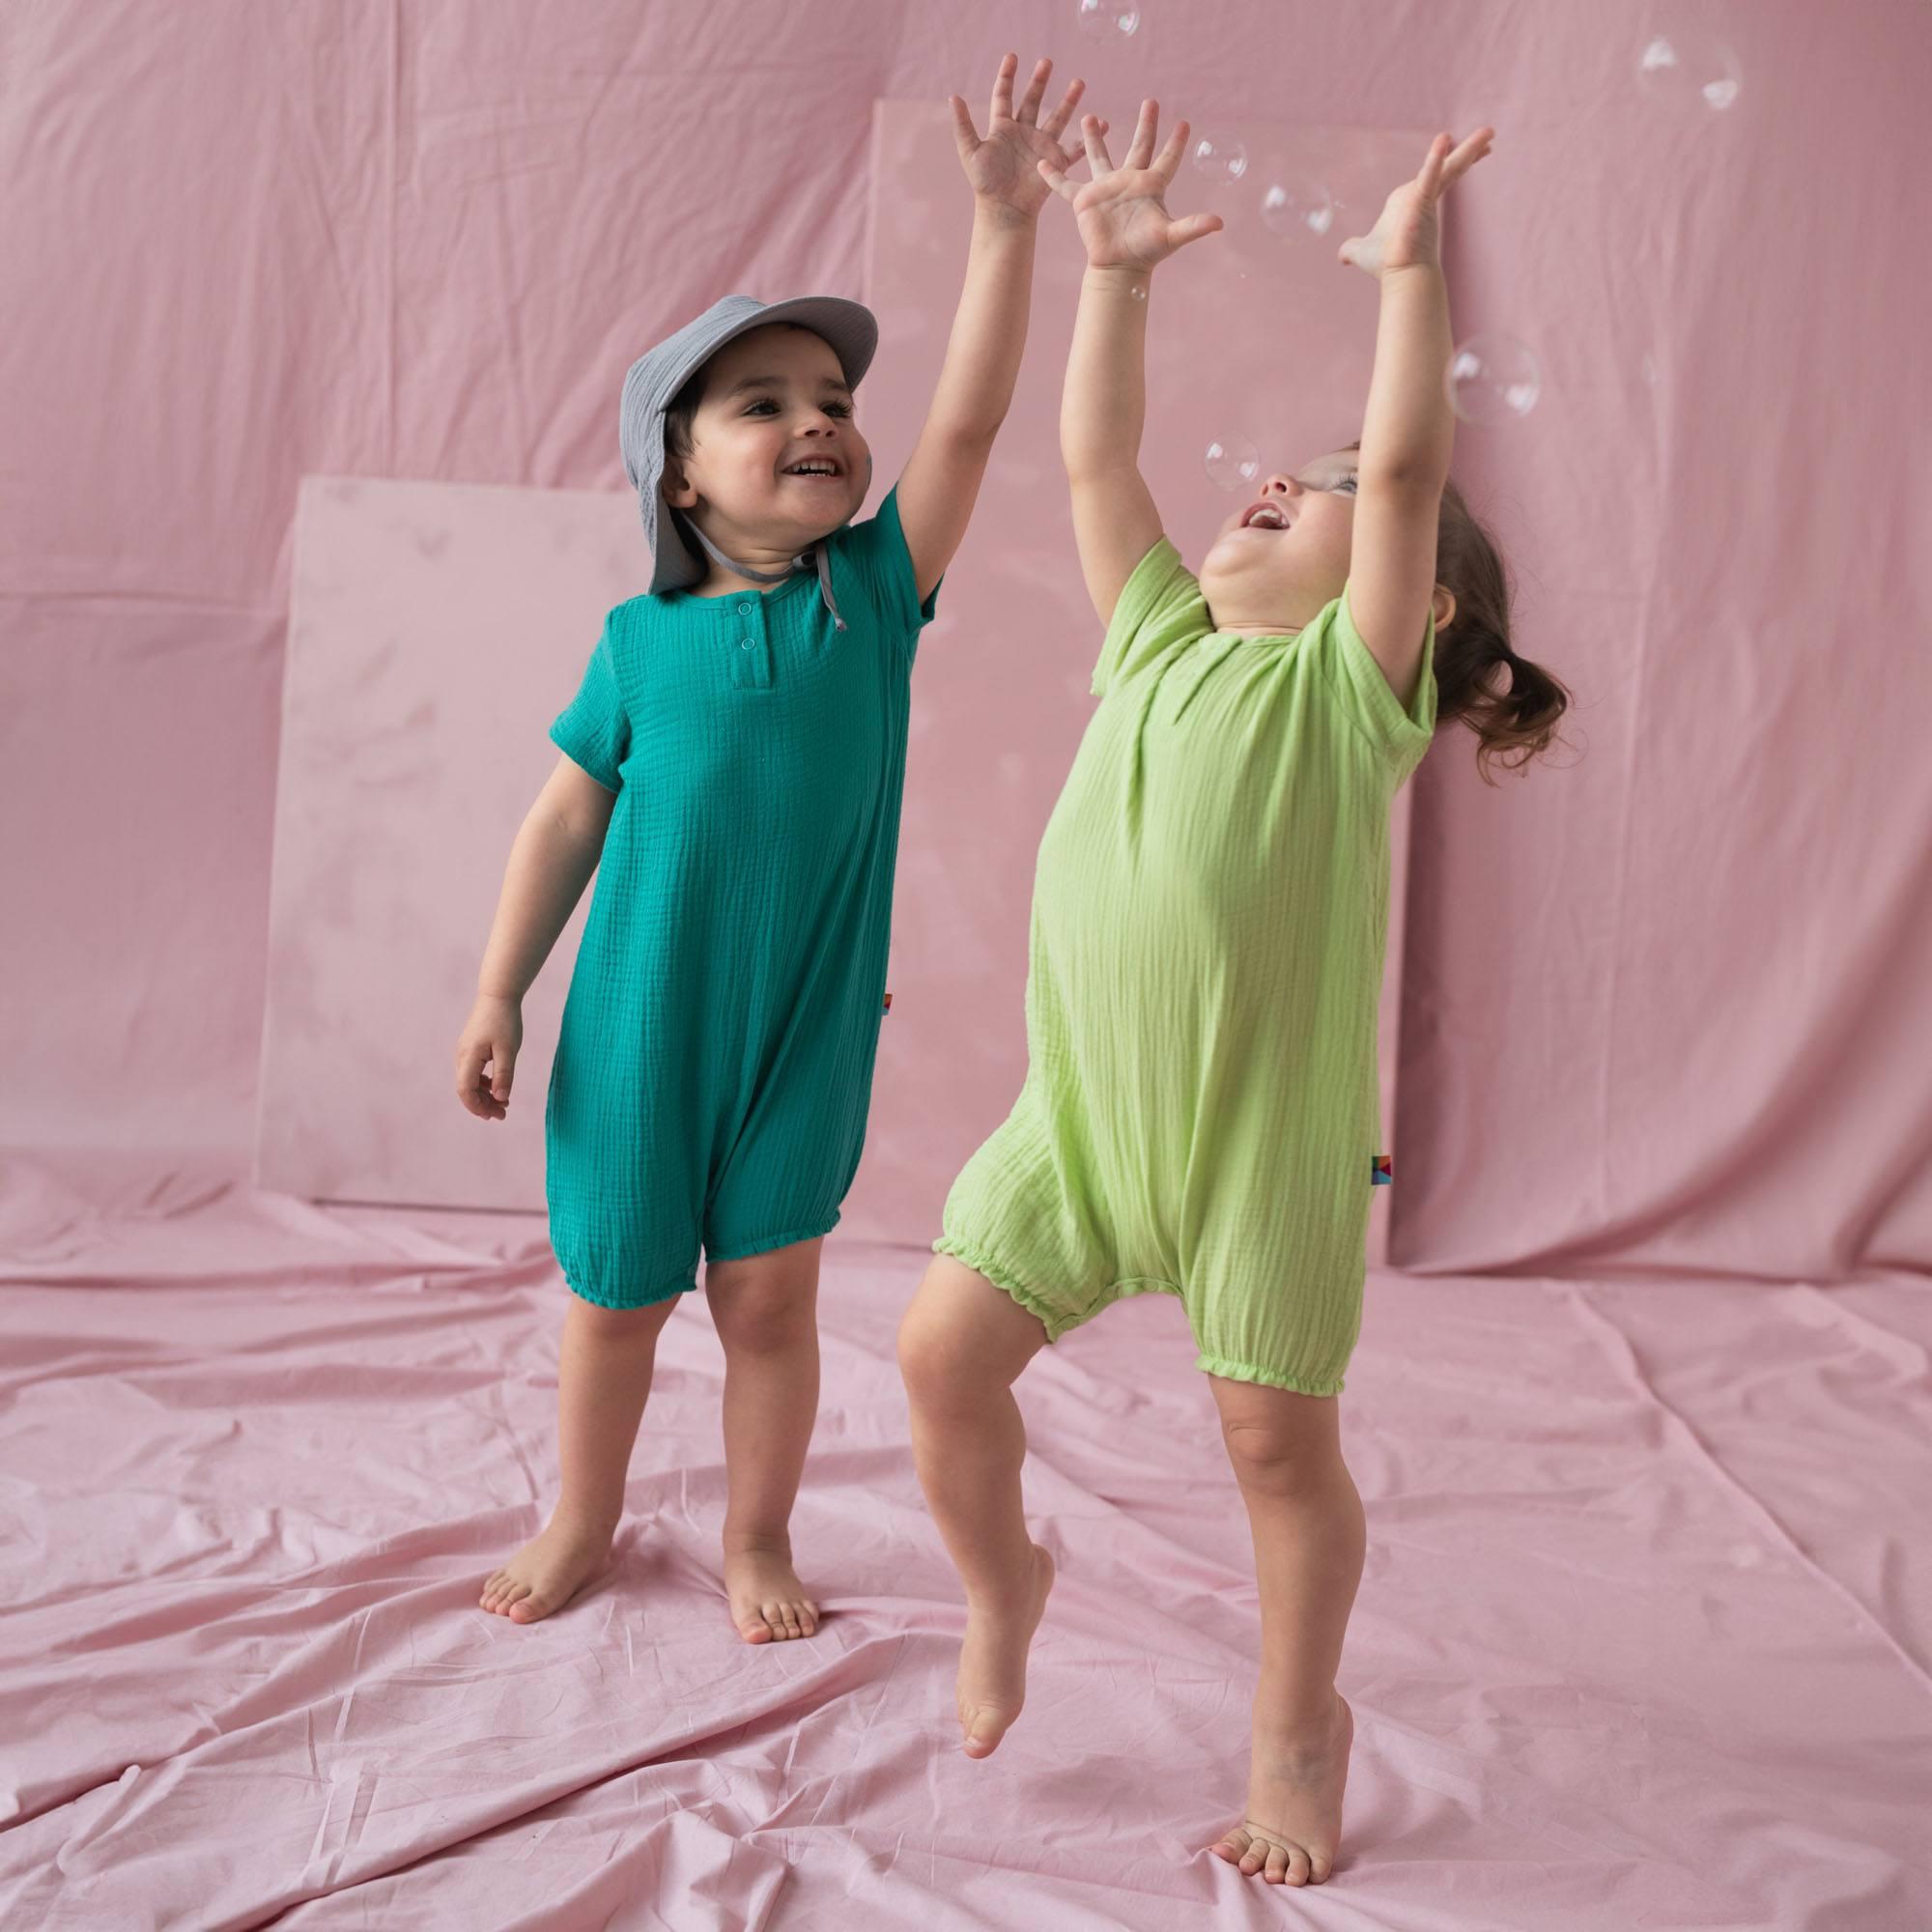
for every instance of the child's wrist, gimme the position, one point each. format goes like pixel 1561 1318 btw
pixel 1116 278
pixel 998 213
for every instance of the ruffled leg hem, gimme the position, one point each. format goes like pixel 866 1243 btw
pixel 740 1251
pixel 1052 1320
pixel 1250 1372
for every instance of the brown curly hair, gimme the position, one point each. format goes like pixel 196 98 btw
pixel 1513 725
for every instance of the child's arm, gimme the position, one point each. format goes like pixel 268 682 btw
pixel 551 863
pixel 941 480
pixel 1127 231
pixel 1408 427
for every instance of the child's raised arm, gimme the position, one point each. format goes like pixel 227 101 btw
pixel 941 480
pixel 1408 428
pixel 1127 231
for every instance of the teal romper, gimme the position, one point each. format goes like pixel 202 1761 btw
pixel 714 1066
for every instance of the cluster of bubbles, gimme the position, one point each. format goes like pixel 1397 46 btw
pixel 1294 206
pixel 1493 377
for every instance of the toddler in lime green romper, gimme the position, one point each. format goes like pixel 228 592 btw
pixel 1200 1114
pixel 1201 1110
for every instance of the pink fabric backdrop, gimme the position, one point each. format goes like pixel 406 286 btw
pixel 1642 1638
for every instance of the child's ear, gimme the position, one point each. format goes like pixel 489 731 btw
pixel 677 491
pixel 1443 603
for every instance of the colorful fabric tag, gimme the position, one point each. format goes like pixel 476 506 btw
pixel 889 1004
pixel 1381 1171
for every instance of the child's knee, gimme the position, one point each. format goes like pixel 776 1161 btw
pixel 963 1335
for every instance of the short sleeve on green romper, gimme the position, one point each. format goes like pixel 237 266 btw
pixel 876 549
pixel 1398 737
pixel 594 729
pixel 1160 608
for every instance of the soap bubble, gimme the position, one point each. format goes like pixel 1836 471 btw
pixel 1219 157
pixel 1231 461
pixel 1298 209
pixel 1690 71
pixel 1493 378
pixel 1109 22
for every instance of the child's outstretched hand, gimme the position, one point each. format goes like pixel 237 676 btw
pixel 1123 219
pixel 1406 232
pixel 1000 167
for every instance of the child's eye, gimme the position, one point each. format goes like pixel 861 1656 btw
pixel 1347 483
pixel 832 409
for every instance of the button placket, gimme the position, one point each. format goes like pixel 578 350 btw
pixel 748 643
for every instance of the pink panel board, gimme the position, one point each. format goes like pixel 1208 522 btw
pixel 434 629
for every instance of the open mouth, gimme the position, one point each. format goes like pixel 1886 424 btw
pixel 1267 515
pixel 813 469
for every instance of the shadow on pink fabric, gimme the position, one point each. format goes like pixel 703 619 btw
pixel 1641 1641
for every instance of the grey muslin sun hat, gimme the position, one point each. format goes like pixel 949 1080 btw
pixel 657 375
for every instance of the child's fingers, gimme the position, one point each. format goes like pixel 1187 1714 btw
pixel 1054 179
pixel 1029 107
pixel 1071 159
pixel 1096 149
pixel 1061 115
pixel 1168 159
pixel 1429 178
pixel 1191 228
pixel 1468 155
pixel 965 136
pixel 1141 151
pixel 1003 88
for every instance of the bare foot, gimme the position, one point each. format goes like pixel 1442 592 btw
pixel 768 1602
pixel 1293 1824
pixel 548 1571
pixel 993 1659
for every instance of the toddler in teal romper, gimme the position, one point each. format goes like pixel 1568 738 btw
pixel 733 767
pixel 715 1061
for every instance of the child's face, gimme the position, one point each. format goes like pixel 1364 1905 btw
pixel 774 397
pixel 1261 580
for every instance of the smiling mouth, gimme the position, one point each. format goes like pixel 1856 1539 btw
pixel 1263 517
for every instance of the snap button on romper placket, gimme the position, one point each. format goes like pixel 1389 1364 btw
pixel 751 646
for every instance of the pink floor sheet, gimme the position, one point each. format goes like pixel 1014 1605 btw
pixel 1640 1641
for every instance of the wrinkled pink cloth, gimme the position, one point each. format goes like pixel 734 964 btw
pixel 1641 1639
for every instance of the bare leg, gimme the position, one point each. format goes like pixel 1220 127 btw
pixel 1309 1538
pixel 962 1345
pixel 766 1308
pixel 603 1376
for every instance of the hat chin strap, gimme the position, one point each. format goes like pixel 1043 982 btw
pixel 804 560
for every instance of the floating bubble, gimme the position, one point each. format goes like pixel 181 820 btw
pixel 1219 157
pixel 1493 379
pixel 1690 72
pixel 1231 461
pixel 1109 22
pixel 1298 209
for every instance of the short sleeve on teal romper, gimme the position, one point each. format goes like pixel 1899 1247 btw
pixel 594 729
pixel 714 1064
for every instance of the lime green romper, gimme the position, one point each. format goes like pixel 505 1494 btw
pixel 714 1064
pixel 1201 1111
